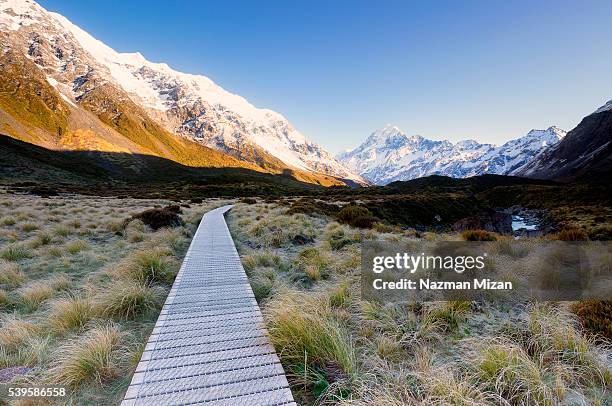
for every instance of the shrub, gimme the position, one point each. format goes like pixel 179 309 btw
pixel 129 299
pixel 601 233
pixel 159 217
pixel 478 235
pixel 91 357
pixel 595 316
pixel 356 216
pixel 311 206
pixel 248 200
pixel 571 234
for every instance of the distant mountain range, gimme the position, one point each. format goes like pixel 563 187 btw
pixel 389 155
pixel 61 88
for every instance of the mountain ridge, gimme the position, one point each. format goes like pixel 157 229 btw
pixel 88 75
pixel 389 155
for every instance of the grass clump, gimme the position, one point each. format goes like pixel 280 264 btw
pixel 33 295
pixel 11 275
pixel 508 370
pixel 8 221
pixel 308 336
pixel 15 331
pixel 41 239
pixel 15 252
pixel 448 315
pixel 149 267
pixel 129 299
pixel 29 227
pixel 313 263
pixel 478 235
pixel 75 246
pixel 69 314
pixel 93 357
pixel 261 259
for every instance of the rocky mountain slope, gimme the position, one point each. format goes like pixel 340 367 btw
pixel 389 155
pixel 61 88
pixel 585 153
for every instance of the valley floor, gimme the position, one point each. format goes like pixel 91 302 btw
pixel 340 349
pixel 80 292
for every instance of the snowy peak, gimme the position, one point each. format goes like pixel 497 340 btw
pixel 186 105
pixel 389 154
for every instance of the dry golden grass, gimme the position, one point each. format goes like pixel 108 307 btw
pixel 94 357
pixel 73 285
pixel 339 349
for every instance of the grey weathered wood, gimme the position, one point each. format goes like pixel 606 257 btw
pixel 209 345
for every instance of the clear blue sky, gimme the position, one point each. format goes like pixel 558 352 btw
pixel 487 70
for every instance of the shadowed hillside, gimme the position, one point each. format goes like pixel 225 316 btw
pixel 100 173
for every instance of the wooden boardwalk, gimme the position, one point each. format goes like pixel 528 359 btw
pixel 209 345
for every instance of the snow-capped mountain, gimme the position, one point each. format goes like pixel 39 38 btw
pixel 191 106
pixel 389 155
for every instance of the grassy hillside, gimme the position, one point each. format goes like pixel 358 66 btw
pixel 27 96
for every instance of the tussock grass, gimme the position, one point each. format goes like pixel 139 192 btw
pixel 306 333
pixel 149 267
pixel 11 275
pixel 35 293
pixel 29 227
pixel 8 221
pixel 41 239
pixel 128 299
pixel 15 331
pixel 15 252
pixel 76 246
pixel 93 357
pixel 62 231
pixel 4 298
pixel 447 314
pixel 69 314
pixel 554 335
pixel 478 235
pixel 260 259
pixel 510 372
